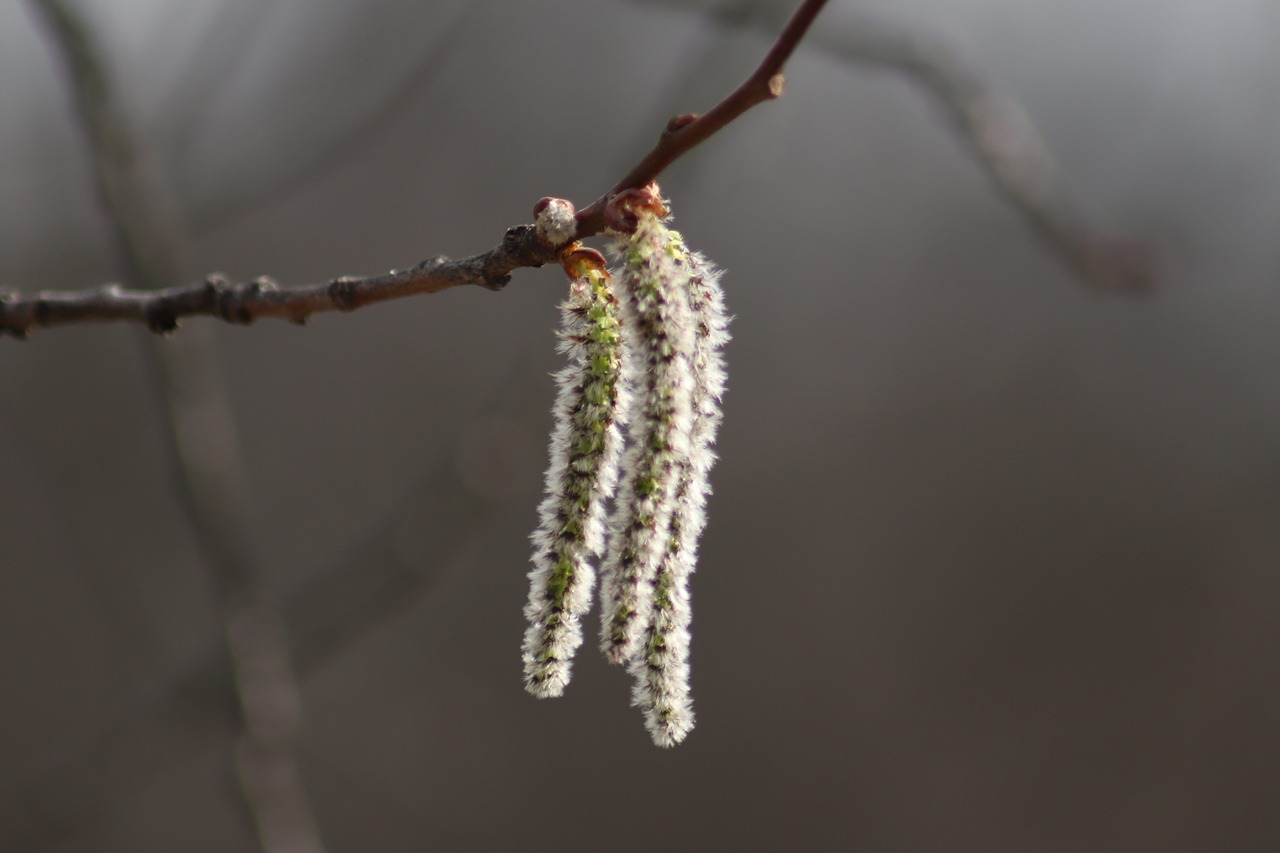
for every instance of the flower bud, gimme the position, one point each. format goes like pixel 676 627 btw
pixel 556 221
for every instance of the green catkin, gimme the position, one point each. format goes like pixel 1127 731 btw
pixel 585 449
pixel 661 669
pixel 654 278
pixel 647 363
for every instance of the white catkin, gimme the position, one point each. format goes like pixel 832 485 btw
pixel 660 668
pixel 657 370
pixel 585 451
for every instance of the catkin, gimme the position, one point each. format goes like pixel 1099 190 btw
pixel 585 447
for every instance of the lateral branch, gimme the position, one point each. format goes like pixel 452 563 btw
pixel 247 301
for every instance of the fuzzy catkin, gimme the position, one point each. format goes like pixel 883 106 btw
pixel 659 337
pixel 661 667
pixel 585 450
pixel 648 364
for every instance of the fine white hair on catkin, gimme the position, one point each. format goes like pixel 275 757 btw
pixel 659 336
pixel 660 668
pixel 585 450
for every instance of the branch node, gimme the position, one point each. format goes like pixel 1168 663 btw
pixel 161 321
pixel 344 293
pixel 514 236
pixel 9 323
pixel 214 284
pixel 681 121
pixel 777 85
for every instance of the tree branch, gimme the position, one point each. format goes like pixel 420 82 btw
pixel 244 302
pixel 685 131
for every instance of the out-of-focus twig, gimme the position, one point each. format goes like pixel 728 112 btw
pixel 167 723
pixel 204 455
pixel 226 42
pixel 995 128
pixel 345 135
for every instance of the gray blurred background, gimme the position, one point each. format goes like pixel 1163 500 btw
pixel 993 557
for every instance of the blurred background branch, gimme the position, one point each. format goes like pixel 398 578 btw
pixel 207 465
pixel 345 135
pixel 384 571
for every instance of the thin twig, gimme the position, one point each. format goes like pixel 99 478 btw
pixel 161 309
pixel 685 131
pixel 995 128
pixel 205 459
pixel 245 302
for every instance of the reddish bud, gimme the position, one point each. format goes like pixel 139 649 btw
pixel 681 121
pixel 556 221
pixel 578 260
pixel 622 210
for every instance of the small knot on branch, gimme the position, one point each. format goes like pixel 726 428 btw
pixel 242 311
pixel 344 292
pixel 215 285
pixel 229 301
pixel 161 320
pixel 9 322
pixel 681 121
pixel 513 239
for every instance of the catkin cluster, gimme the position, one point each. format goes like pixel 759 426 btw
pixel 635 418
